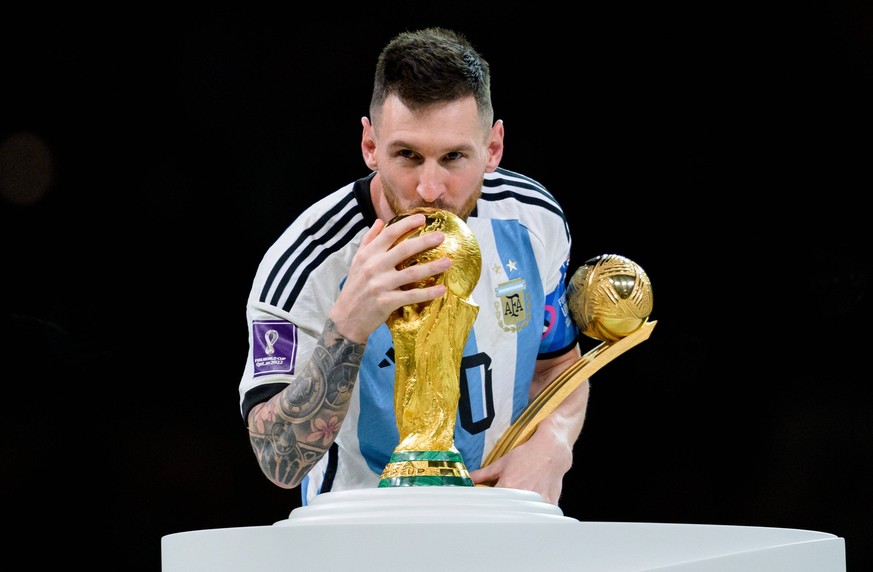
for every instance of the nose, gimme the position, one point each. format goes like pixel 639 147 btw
pixel 431 184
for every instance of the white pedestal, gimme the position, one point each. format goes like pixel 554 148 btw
pixel 475 528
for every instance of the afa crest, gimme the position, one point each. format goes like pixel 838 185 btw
pixel 513 305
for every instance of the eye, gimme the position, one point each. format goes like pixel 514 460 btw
pixel 454 156
pixel 406 154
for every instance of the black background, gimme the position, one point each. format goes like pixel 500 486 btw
pixel 724 148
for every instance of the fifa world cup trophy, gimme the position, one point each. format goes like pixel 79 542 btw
pixel 610 299
pixel 429 341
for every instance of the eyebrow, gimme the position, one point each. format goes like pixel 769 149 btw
pixel 401 144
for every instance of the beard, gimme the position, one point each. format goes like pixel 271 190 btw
pixel 462 211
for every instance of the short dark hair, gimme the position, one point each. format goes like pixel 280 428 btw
pixel 431 66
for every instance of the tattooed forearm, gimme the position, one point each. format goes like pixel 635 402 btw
pixel 293 430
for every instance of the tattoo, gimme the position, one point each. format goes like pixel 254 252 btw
pixel 292 431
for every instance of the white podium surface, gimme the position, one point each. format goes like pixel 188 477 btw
pixel 426 529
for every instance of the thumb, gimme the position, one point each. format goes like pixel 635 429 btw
pixel 487 475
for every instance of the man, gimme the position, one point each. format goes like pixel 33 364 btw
pixel 317 390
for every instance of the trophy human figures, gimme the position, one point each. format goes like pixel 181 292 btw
pixel 429 341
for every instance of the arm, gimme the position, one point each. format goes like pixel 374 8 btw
pixel 540 463
pixel 293 430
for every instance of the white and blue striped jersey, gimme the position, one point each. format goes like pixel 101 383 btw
pixel 524 240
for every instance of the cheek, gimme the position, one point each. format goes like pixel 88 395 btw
pixel 460 185
pixel 394 171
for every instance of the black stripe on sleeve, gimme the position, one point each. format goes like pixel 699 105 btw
pixel 304 276
pixel 548 202
pixel 259 394
pixel 304 236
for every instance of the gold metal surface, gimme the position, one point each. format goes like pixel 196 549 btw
pixel 424 469
pixel 429 338
pixel 610 299
pixel 609 296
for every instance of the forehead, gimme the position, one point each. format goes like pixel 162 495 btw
pixel 448 124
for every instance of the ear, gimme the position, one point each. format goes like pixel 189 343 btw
pixel 495 147
pixel 368 145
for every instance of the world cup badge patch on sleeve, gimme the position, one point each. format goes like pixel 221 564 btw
pixel 274 347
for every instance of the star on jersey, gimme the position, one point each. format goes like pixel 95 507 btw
pixel 497 268
pixel 510 264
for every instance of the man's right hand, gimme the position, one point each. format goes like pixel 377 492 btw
pixel 374 287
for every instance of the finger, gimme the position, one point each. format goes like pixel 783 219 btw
pixel 486 475
pixel 412 276
pixel 419 295
pixel 406 241
pixel 419 251
pixel 374 231
pixel 393 232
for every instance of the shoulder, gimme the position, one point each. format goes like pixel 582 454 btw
pixel 317 245
pixel 510 195
pixel 337 217
pixel 329 211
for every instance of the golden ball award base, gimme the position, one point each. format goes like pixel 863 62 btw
pixel 610 299
pixel 429 341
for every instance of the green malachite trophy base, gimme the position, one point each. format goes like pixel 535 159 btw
pixel 426 469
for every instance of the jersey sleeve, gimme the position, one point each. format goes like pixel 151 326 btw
pixel 278 348
pixel 560 333
pixel 294 288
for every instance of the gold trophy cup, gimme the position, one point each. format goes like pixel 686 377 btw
pixel 610 299
pixel 429 341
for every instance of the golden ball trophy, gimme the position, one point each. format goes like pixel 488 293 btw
pixel 610 299
pixel 429 341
